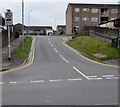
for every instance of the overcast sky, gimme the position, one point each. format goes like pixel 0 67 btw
pixel 44 12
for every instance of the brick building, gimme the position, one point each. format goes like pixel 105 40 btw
pixel 80 15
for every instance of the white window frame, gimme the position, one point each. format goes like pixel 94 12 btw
pixel 94 10
pixel 85 18
pixel 77 18
pixel 77 9
pixel 94 19
pixel 114 11
pixel 85 9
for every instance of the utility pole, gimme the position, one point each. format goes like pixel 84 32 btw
pixel 22 24
pixel 29 21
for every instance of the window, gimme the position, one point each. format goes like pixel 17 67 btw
pixel 77 27
pixel 77 18
pixel 77 10
pixel 94 10
pixel 93 19
pixel 114 11
pixel 85 9
pixel 85 18
pixel 113 18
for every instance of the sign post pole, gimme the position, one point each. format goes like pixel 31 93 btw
pixel 9 47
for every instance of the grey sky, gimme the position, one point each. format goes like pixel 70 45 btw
pixel 44 12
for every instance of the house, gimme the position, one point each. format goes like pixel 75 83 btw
pixel 61 29
pixel 79 15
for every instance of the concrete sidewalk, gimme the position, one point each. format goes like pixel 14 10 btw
pixel 15 61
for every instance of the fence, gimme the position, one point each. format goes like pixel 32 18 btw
pixel 104 34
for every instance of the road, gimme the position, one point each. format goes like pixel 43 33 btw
pixel 58 76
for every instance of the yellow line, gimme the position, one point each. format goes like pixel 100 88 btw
pixel 24 66
pixel 88 58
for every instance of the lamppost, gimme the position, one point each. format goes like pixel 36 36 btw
pixel 29 21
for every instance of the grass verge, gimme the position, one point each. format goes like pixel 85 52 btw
pixel 27 45
pixel 89 46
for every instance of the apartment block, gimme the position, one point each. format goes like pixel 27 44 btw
pixel 80 15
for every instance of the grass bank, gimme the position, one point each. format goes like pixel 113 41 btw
pixel 27 45
pixel 90 46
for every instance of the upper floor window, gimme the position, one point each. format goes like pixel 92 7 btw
pixel 85 9
pixel 77 18
pixel 114 11
pixel 94 19
pixel 85 18
pixel 94 10
pixel 77 10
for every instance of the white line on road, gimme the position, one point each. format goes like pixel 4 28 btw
pixel 64 59
pixel 49 42
pixel 56 80
pixel 55 50
pixel 107 75
pixel 13 82
pixel 74 79
pixel 112 78
pixel 95 79
pixel 51 45
pixel 37 81
pixel 1 83
pixel 80 72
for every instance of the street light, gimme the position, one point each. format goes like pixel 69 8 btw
pixel 29 21
pixel 22 24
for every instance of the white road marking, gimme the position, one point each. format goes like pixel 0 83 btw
pixel 49 42
pixel 112 78
pixel 55 50
pixel 80 72
pixel 51 45
pixel 95 79
pixel 13 82
pixel 56 80
pixel 1 83
pixel 107 75
pixel 64 39
pixel 74 79
pixel 37 81
pixel 48 39
pixel 91 76
pixel 64 59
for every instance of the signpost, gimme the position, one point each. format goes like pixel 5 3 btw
pixel 8 23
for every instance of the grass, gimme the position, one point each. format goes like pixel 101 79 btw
pixel 27 45
pixel 90 46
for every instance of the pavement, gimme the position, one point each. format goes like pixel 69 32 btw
pixel 58 76
pixel 15 61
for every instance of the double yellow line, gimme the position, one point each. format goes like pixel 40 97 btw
pixel 24 66
pixel 88 58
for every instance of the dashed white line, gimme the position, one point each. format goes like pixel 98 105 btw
pixel 55 50
pixel 112 78
pixel 107 75
pixel 49 42
pixel 64 59
pixel 37 81
pixel 13 82
pixel 75 79
pixel 80 72
pixel 51 45
pixel 95 79
pixel 1 83
pixel 56 80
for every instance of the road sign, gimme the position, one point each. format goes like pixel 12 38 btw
pixel 8 17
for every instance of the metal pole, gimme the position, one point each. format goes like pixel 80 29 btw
pixel 22 24
pixel 9 47
pixel 118 38
pixel 29 21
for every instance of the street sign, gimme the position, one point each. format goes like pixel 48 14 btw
pixel 8 18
